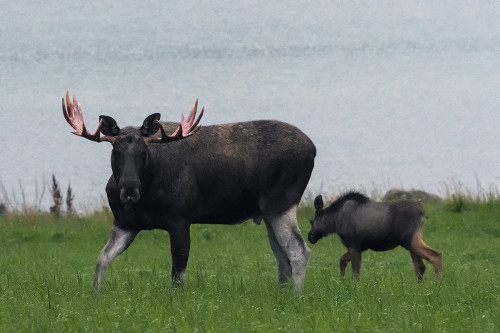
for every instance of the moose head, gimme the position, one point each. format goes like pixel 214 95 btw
pixel 130 155
pixel 318 225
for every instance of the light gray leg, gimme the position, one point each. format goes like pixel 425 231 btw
pixel 287 233
pixel 284 267
pixel 119 241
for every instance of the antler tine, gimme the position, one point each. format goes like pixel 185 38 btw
pixel 192 113
pixel 189 125
pixel 196 129
pixel 72 112
pixel 65 112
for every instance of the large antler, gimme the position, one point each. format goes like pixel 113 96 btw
pixel 186 127
pixel 74 117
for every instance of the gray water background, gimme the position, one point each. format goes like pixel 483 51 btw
pixel 393 93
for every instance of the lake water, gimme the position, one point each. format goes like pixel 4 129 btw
pixel 393 93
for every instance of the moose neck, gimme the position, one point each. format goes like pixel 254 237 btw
pixel 330 221
pixel 336 211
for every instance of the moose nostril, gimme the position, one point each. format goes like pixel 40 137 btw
pixel 131 195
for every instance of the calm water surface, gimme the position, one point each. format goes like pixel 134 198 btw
pixel 393 93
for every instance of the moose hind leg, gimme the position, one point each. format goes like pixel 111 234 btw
pixel 119 240
pixel 424 251
pixel 284 266
pixel 419 265
pixel 287 233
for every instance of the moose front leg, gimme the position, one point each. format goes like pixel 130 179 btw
pixel 179 247
pixel 344 260
pixel 119 240
pixel 355 257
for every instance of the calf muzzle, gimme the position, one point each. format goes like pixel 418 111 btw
pixel 311 238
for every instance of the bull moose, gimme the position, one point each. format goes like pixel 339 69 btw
pixel 225 174
pixel 364 224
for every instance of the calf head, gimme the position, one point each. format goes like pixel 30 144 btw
pixel 130 154
pixel 318 223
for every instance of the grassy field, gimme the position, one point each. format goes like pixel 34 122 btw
pixel 46 274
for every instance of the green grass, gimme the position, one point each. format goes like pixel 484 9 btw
pixel 46 274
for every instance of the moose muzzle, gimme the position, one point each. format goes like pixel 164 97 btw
pixel 312 238
pixel 130 195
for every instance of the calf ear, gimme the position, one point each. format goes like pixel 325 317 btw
pixel 109 126
pixel 151 124
pixel 318 203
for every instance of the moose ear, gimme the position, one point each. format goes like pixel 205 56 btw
pixel 151 124
pixel 109 126
pixel 318 203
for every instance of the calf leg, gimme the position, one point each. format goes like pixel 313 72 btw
pixel 286 231
pixel 284 266
pixel 119 240
pixel 180 241
pixel 424 251
pixel 344 260
pixel 419 265
pixel 355 257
